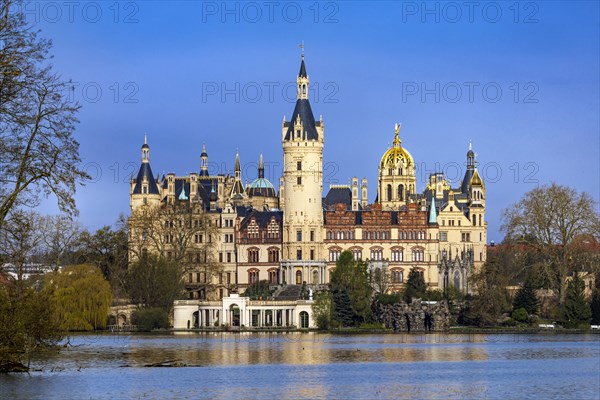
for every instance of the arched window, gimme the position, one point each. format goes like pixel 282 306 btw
pixel 334 254
pixel 273 276
pixel 304 319
pixel 400 192
pixel 418 254
pixel 273 254
pixel 253 255
pixel 397 275
pixel 389 192
pixel 457 280
pixel 376 254
pixel 397 254
pixel 298 277
pixel 252 276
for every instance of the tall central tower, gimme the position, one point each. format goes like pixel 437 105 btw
pixel 302 140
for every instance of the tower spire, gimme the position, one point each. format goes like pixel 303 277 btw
pixel 432 210
pixel 145 151
pixel 302 73
pixel 261 167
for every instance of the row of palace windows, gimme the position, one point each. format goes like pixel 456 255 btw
pixel 417 254
pixel 299 236
pixel 340 235
pixel 254 276
pixel 200 257
pixel 201 277
pixel 392 170
pixel 254 255
pixel 464 236
pixel 396 276
pixel 197 223
pixel 376 235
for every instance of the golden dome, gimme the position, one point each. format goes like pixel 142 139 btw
pixel 396 154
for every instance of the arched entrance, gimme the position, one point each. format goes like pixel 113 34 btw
pixel 234 313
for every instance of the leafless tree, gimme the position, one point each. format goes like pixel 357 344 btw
pixel 180 232
pixel 39 155
pixel 21 239
pixel 549 219
pixel 60 234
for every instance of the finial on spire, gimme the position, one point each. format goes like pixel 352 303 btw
pixel 301 45
pixel 203 147
pixel 397 140
pixel 145 138
pixel 470 145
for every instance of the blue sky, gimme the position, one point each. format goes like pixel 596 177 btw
pixel 520 80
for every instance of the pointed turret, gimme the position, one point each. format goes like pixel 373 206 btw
pixel 237 167
pixel 302 73
pixel 145 183
pixel 182 195
pixel 302 125
pixel 465 185
pixel 433 211
pixel 237 191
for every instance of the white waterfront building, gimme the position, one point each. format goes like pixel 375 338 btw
pixel 239 311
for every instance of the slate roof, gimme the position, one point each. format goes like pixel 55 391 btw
pixel 203 189
pixel 466 183
pixel 302 72
pixel 145 171
pixel 308 120
pixel 263 218
pixel 338 195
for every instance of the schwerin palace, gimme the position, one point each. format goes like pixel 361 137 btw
pixel 295 235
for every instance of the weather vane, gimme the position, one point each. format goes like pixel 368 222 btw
pixel 301 45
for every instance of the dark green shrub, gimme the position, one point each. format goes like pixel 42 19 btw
pixel 520 315
pixel 148 319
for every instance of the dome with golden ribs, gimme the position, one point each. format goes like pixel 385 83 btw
pixel 396 155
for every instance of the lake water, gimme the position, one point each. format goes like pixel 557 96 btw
pixel 311 365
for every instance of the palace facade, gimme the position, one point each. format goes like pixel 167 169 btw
pixel 229 235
